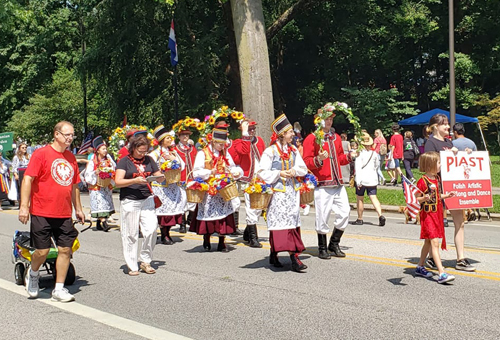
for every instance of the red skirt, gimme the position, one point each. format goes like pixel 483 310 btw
pixel 223 226
pixel 286 240
pixel 169 221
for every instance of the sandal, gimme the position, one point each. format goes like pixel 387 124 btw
pixel 133 272
pixel 146 267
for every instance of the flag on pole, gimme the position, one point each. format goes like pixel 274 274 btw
pixel 86 144
pixel 410 190
pixel 124 123
pixel 172 45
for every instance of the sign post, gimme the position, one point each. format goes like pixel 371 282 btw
pixel 6 140
pixel 469 175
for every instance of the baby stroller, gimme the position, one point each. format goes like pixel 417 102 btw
pixel 21 257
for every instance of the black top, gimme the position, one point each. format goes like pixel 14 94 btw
pixel 408 148
pixel 434 144
pixel 136 191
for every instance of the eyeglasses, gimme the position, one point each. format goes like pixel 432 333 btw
pixel 141 152
pixel 67 135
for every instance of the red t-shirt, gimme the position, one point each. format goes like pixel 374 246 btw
pixel 54 174
pixel 397 142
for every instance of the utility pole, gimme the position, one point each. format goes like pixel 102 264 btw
pixel 84 83
pixel 452 62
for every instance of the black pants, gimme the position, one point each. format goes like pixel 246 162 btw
pixel 408 163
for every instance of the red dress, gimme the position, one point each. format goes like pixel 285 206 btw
pixel 431 212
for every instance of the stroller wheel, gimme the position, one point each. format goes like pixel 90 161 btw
pixel 71 275
pixel 19 271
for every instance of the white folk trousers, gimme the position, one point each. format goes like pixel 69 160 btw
pixel 135 214
pixel 252 216
pixel 326 200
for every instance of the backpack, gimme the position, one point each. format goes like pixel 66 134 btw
pixel 383 149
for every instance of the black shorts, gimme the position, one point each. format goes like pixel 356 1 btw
pixel 369 191
pixel 43 228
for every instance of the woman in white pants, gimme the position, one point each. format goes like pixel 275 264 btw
pixel 137 204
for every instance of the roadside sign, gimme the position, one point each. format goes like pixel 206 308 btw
pixel 469 175
pixel 6 140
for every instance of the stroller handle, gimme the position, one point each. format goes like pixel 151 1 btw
pixel 86 221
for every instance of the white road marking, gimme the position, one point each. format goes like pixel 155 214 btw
pixel 123 324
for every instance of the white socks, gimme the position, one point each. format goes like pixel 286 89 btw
pixel 59 286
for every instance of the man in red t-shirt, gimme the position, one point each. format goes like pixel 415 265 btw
pixel 396 146
pixel 49 188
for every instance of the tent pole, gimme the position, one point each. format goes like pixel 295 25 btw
pixel 484 141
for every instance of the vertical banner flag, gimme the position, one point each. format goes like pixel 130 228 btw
pixel 172 45
pixel 410 190
pixel 469 175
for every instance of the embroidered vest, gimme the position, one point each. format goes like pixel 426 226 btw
pixel 279 164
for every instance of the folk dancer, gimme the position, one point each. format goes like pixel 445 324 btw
pixel 248 149
pixel 187 153
pixel 173 198
pixel 101 197
pixel 214 214
pixel 279 166
pixel 330 194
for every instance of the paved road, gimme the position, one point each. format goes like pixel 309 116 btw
pixel 371 294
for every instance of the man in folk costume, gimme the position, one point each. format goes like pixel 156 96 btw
pixel 248 149
pixel 214 214
pixel 173 199
pixel 187 153
pixel 101 197
pixel 280 165
pixel 324 161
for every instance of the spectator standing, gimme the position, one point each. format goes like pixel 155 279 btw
pixel 49 188
pixel 366 178
pixel 380 147
pixel 4 179
pixel 396 146
pixel 409 154
pixel 137 203
pixel 20 163
pixel 461 142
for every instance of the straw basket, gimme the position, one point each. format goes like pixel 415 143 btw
pixel 307 197
pixel 103 183
pixel 172 176
pixel 259 201
pixel 229 192
pixel 195 196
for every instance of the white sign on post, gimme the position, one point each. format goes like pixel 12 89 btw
pixel 469 175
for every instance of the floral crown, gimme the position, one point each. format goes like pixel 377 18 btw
pixel 209 122
pixel 186 123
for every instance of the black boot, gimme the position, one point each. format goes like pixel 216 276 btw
pixel 182 227
pixel 323 253
pixel 297 265
pixel 189 218
pixel 105 226
pixel 246 238
pixel 206 242
pixel 222 245
pixel 98 225
pixel 165 236
pixel 237 231
pixel 254 238
pixel 333 247
pixel 273 259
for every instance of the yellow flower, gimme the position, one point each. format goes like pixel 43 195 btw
pixel 317 120
pixel 240 116
pixel 234 114
pixel 224 108
pixel 211 121
pixel 200 126
pixel 223 114
pixel 188 122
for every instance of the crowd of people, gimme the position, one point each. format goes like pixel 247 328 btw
pixel 148 199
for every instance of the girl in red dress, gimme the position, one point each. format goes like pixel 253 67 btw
pixel 431 215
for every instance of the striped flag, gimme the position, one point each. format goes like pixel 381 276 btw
pixel 172 45
pixel 410 190
pixel 86 144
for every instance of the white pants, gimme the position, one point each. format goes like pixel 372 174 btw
pixel 252 214
pixel 327 199
pixel 137 214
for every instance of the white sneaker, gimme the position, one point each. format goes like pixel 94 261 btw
pixel 306 210
pixel 62 295
pixel 32 285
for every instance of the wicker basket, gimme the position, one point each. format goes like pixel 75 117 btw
pixel 104 183
pixel 260 201
pixel 172 176
pixel 307 197
pixel 229 192
pixel 195 196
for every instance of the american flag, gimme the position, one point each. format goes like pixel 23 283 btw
pixel 86 144
pixel 410 190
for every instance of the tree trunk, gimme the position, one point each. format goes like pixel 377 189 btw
pixel 253 56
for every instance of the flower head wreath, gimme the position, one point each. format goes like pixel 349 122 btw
pixel 326 111
pixel 207 125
